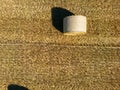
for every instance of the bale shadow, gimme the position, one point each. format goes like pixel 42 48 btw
pixel 58 14
pixel 16 87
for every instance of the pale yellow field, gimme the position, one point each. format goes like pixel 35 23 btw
pixel 34 53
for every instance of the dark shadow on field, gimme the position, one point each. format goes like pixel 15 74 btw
pixel 58 14
pixel 16 87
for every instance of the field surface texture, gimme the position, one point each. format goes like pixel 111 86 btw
pixel 36 55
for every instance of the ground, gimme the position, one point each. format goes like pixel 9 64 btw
pixel 34 52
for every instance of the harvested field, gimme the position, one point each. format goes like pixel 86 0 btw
pixel 34 52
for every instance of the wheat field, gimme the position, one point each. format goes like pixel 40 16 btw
pixel 34 52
